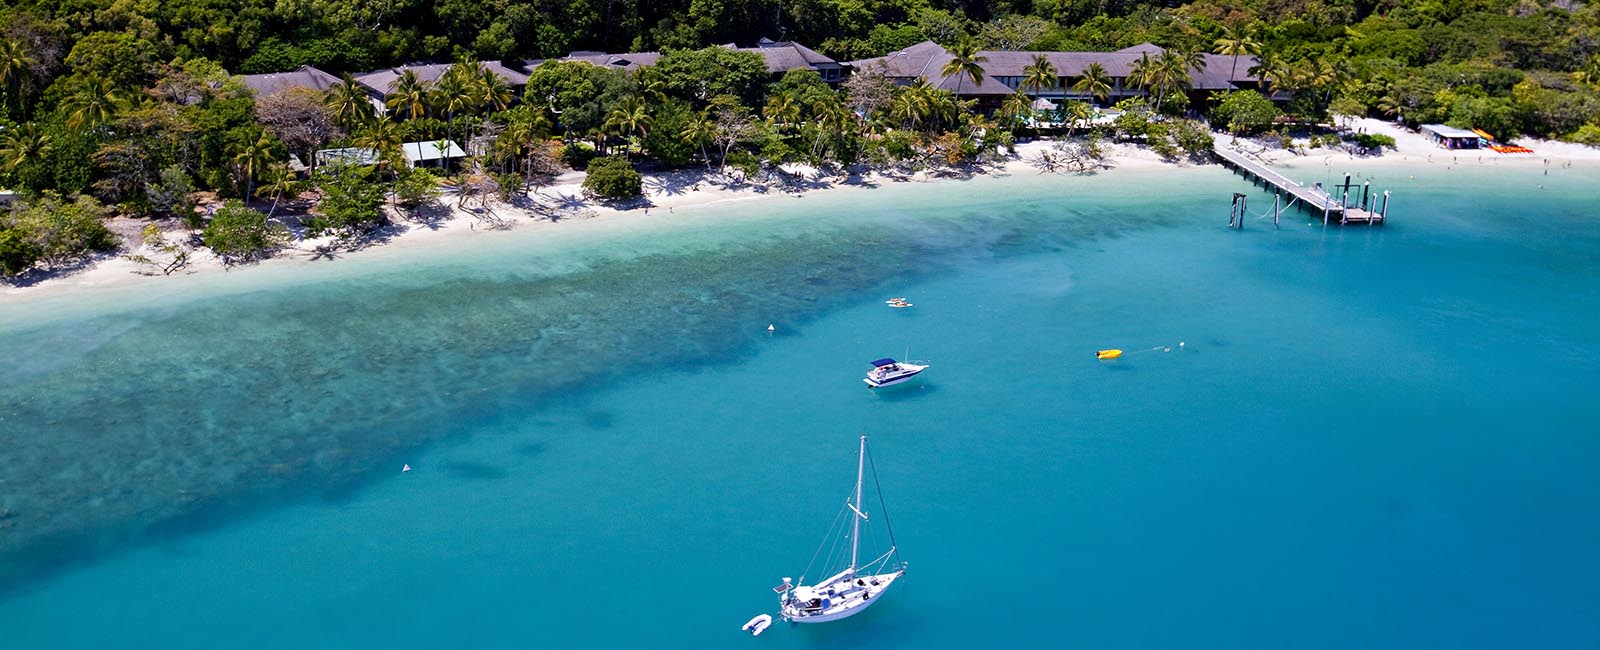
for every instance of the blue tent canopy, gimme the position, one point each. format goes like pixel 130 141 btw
pixel 883 362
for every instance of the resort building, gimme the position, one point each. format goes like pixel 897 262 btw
pixel 303 77
pixel 379 83
pixel 783 56
pixel 1003 71
pixel 1451 137
pixel 629 62
pixel 780 57
pixel 430 154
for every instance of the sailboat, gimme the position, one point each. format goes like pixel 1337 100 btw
pixel 859 585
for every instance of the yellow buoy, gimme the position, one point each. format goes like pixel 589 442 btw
pixel 1108 354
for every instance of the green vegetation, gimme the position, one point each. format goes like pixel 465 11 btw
pixel 133 106
pixel 238 234
pixel 1245 112
pixel 613 178
pixel 52 231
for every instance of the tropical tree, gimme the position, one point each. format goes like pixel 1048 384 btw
pixel 251 158
pixel 1144 71
pixel 349 104
pixel 1095 82
pixel 454 95
pixel 629 118
pixel 22 145
pixel 93 103
pixel 15 62
pixel 408 95
pixel 1013 109
pixel 1274 73
pixel 493 93
pixel 964 63
pixel 782 111
pixel 700 130
pixel 279 183
pixel 1236 42
pixel 1040 74
pixel 382 136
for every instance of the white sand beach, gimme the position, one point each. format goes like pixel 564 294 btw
pixel 678 191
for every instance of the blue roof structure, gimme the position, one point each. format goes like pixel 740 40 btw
pixel 883 362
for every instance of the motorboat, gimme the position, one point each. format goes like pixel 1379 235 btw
pixel 851 589
pixel 888 372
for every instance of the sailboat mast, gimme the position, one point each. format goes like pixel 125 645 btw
pixel 855 533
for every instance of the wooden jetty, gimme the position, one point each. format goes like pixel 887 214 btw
pixel 1335 209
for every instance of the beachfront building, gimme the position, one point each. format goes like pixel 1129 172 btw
pixel 433 153
pixel 1003 72
pixel 303 77
pixel 1450 137
pixel 358 156
pixel 783 56
pixel 780 57
pixel 379 83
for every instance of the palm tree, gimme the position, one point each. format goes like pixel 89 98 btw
pixel 493 93
pixel 279 183
pixel 94 103
pixel 1273 72
pixel 382 136
pixel 1326 75
pixel 1040 74
pixel 629 118
pixel 21 145
pixel 1142 74
pixel 700 129
pixel 454 95
pixel 831 118
pixel 15 62
pixel 408 95
pixel 1094 82
pixel 912 104
pixel 649 83
pixel 251 158
pixel 964 62
pixel 349 103
pixel 1013 108
pixel 1236 42
pixel 782 111
pixel 1172 73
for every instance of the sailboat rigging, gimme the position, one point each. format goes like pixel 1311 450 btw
pixel 858 585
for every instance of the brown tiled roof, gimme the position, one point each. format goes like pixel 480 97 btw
pixel 304 77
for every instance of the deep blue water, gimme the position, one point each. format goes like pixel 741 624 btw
pixel 1368 437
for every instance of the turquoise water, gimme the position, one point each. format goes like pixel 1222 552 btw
pixel 1368 437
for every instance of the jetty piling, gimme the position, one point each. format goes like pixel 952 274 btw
pixel 1312 197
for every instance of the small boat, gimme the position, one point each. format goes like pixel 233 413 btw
pixel 1107 354
pixel 758 624
pixel 888 372
pixel 897 303
pixel 857 586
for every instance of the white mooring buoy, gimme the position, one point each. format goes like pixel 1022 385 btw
pixel 771 328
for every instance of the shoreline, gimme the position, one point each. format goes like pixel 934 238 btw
pixel 695 190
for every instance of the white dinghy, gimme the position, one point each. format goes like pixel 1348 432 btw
pixel 858 585
pixel 758 624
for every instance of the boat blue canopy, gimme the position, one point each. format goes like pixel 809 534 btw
pixel 883 362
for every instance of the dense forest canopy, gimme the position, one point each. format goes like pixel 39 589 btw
pixel 137 104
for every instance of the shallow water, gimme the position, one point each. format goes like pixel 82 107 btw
pixel 1368 437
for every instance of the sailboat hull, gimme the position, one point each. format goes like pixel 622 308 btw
pixel 851 602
